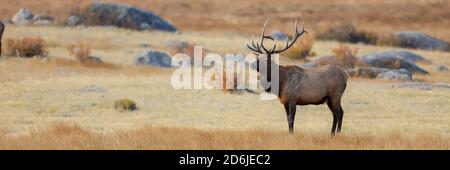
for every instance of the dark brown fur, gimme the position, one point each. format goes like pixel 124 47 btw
pixel 2 28
pixel 299 86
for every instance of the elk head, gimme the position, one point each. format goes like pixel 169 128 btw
pixel 259 49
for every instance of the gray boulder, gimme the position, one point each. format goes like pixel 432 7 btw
pixel 153 58
pixel 400 75
pixel 442 85
pixel 401 54
pixel 178 45
pixel 93 59
pixel 277 35
pixel 43 20
pixel 418 40
pixel 23 17
pixel 416 85
pixel 392 62
pixel 380 73
pixel 423 85
pixel 441 68
pixel 73 21
pixel 124 16
pixel 43 17
pixel 93 89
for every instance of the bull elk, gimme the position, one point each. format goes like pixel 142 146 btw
pixel 300 86
pixel 2 28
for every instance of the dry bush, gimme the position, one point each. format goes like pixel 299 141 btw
pixel 348 33
pixel 26 47
pixel 188 48
pixel 125 105
pixel 80 51
pixel 67 136
pixel 346 56
pixel 388 40
pixel 301 49
pixel 228 83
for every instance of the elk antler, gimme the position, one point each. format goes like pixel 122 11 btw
pixel 259 47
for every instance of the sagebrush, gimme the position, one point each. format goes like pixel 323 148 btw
pixel 346 56
pixel 26 47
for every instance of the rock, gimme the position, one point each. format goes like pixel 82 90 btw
pixel 124 16
pixel 441 68
pixel 23 17
pixel 92 59
pixel 423 85
pixel 416 85
pixel 348 33
pixel 442 85
pixel 281 36
pixel 418 40
pixel 43 17
pixel 178 45
pixel 43 20
pixel 401 54
pixel 153 58
pixel 380 73
pixel 73 21
pixel 145 45
pixel 43 23
pixel 366 72
pixel 321 60
pixel 392 62
pixel 93 89
pixel 401 75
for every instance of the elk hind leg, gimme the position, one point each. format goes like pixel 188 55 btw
pixel 335 117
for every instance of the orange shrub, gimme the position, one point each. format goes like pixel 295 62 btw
pixel 80 51
pixel 26 47
pixel 346 56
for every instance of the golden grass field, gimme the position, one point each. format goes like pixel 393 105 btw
pixel 44 103
pixel 380 16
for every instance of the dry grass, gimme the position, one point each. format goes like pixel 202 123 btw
pixel 26 47
pixel 35 94
pixel 66 136
pixel 346 56
pixel 80 51
pixel 379 16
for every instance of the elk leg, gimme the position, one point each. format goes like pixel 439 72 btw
pixel 290 114
pixel 291 117
pixel 340 117
pixel 286 109
pixel 335 119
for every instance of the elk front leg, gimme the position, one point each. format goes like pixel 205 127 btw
pixel 290 113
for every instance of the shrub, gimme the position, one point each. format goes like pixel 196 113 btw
pixel 125 105
pixel 80 51
pixel 348 33
pixel 188 48
pixel 388 40
pixel 26 47
pixel 228 83
pixel 301 49
pixel 346 56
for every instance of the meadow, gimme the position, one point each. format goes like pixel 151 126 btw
pixel 60 103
